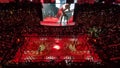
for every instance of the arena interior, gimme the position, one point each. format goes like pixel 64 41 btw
pixel 93 41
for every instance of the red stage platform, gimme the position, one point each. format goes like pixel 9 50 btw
pixel 37 49
pixel 53 21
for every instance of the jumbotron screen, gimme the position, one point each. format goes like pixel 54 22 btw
pixel 59 13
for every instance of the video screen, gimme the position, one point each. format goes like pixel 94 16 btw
pixel 59 13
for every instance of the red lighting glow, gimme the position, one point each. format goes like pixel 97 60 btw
pixel 41 47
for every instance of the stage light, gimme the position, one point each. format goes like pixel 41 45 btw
pixel 57 47
pixel 31 0
pixel 57 40
pixel 103 2
pixel 18 40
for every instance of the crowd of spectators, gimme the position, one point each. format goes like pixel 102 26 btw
pixel 102 23
pixel 13 21
pixel 58 65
